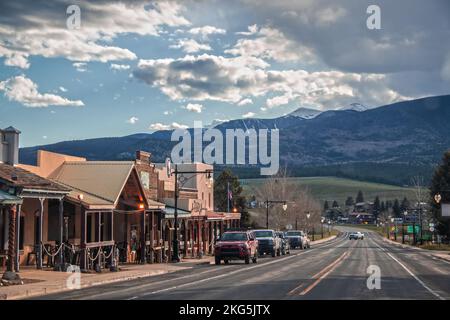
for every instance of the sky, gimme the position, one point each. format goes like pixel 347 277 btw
pixel 140 66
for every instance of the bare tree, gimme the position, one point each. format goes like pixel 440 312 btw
pixel 299 202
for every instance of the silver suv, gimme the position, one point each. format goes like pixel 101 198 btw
pixel 268 242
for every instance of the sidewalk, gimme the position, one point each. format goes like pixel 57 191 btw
pixel 41 282
pixel 443 255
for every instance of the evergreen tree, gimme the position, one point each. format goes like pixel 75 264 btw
pixel 396 209
pixel 326 206
pixel 360 197
pixel 376 206
pixel 405 204
pixel 383 206
pixel 221 195
pixel 349 202
pixel 440 184
pixel 335 204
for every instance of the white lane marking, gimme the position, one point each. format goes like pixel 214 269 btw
pixel 235 271
pixel 411 273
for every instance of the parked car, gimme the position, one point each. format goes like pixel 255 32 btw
pixel 356 236
pixel 268 242
pixel 285 247
pixel 298 239
pixel 236 245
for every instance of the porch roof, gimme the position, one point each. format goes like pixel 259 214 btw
pixel 27 181
pixel 100 182
pixel 6 198
pixel 169 213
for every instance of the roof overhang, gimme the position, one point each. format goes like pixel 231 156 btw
pixel 8 199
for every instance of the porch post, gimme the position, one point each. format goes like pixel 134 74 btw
pixel 11 239
pixel 185 237
pixel 61 234
pixel 41 215
pixel 143 258
pixel 199 239
pixel 192 238
pixel 152 236
pixel 83 239
pixel 205 237
pixel 17 262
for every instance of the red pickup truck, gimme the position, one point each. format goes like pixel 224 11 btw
pixel 236 245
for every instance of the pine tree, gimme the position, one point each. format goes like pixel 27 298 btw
pixel 221 195
pixel 405 204
pixel 349 202
pixel 326 206
pixel 440 184
pixel 376 206
pixel 396 209
pixel 360 197
pixel 335 204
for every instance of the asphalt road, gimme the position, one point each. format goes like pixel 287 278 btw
pixel 337 269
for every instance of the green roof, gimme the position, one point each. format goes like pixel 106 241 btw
pixel 6 198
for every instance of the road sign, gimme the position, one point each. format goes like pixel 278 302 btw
pixel 431 224
pixel 289 227
pixel 410 229
pixel 432 229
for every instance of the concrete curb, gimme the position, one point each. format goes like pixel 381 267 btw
pixel 34 292
pixel 323 240
pixel 404 246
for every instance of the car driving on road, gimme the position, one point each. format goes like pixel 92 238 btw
pixel 285 247
pixel 236 245
pixel 268 242
pixel 298 239
pixel 356 236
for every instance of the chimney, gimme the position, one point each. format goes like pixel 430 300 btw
pixel 11 140
pixel 143 156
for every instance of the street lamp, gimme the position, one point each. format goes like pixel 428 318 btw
pixel 322 220
pixel 437 198
pixel 176 172
pixel 403 226
pixel 268 202
pixel 395 228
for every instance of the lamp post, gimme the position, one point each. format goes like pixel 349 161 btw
pixel 268 202
pixel 308 215
pixel 403 226
pixel 176 172
pixel 322 220
pixel 394 222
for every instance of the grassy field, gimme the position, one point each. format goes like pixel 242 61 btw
pixel 332 188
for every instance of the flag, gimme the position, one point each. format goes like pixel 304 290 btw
pixel 230 195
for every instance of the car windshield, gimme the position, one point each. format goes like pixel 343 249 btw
pixel 294 233
pixel 263 234
pixel 235 236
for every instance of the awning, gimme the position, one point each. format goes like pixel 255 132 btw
pixel 6 199
pixel 169 213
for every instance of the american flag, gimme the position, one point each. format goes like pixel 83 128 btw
pixel 230 195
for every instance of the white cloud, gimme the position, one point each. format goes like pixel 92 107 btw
pixel 119 67
pixel 194 107
pixel 133 120
pixel 253 29
pixel 62 89
pixel 167 112
pixel 30 31
pixel 190 46
pixel 205 31
pixel 216 78
pixel 248 115
pixel 80 66
pixel 271 43
pixel 25 91
pixel 174 125
pixel 446 69
pixel 244 102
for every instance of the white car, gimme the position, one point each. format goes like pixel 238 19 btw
pixel 356 236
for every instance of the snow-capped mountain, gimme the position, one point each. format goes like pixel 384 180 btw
pixel 304 113
pixel 355 107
